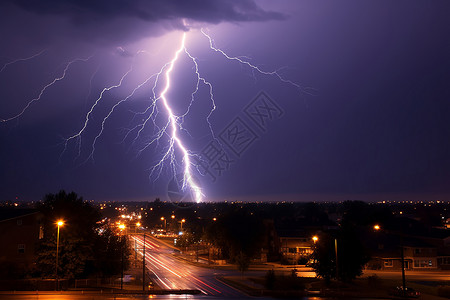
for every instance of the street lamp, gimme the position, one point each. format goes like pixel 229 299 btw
pixel 164 219
pixel 181 222
pixel 59 224
pixel 376 227
pixel 315 239
pixel 137 225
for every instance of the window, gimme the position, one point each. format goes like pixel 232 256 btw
pixel 388 263
pixel 422 263
pixel 21 248
pixel 41 232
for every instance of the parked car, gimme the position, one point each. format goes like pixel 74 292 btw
pixel 126 278
pixel 409 292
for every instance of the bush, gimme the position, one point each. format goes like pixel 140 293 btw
pixel 270 280
pixel 373 280
pixel 444 291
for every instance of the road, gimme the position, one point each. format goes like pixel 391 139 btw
pixel 172 272
pixel 411 275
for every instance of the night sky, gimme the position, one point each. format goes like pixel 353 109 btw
pixel 362 110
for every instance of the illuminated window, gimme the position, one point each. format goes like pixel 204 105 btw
pixel 388 263
pixel 41 232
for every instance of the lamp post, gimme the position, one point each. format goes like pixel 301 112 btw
pixel 137 225
pixel 59 224
pixel 403 266
pixel 377 227
pixel 164 219
pixel 181 224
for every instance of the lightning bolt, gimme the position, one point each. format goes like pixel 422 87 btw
pixel 302 89
pixel 159 103
pixel 55 80
pixel 21 59
pixel 175 124
pixel 78 135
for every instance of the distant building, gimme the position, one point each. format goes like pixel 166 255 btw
pixel 20 230
pixel 296 250
pixel 296 245
pixel 418 253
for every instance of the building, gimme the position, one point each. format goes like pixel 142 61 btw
pixel 418 253
pixel 20 230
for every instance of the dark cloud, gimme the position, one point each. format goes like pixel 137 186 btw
pixel 116 20
pixel 155 10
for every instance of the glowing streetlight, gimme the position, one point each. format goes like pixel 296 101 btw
pixel 376 227
pixel 164 219
pixel 121 227
pixel 137 225
pixel 181 222
pixel 59 223
pixel 315 239
pixel 172 216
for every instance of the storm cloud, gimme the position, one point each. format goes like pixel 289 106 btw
pixel 119 20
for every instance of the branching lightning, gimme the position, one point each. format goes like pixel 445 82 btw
pixel 173 122
pixel 66 68
pixel 160 104
pixel 21 59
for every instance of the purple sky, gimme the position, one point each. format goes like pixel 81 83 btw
pixel 370 121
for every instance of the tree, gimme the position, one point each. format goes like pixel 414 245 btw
pixel 270 279
pixel 85 246
pixel 236 231
pixel 351 256
pixel 243 262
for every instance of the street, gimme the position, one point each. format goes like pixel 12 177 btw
pixel 171 272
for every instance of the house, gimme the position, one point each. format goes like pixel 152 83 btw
pixel 20 230
pixel 386 254
pixel 296 246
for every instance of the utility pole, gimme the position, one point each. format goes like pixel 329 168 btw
pixel 337 263
pixel 143 266
pixel 403 266
pixel 121 277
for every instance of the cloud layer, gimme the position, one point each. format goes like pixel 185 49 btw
pixel 110 21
